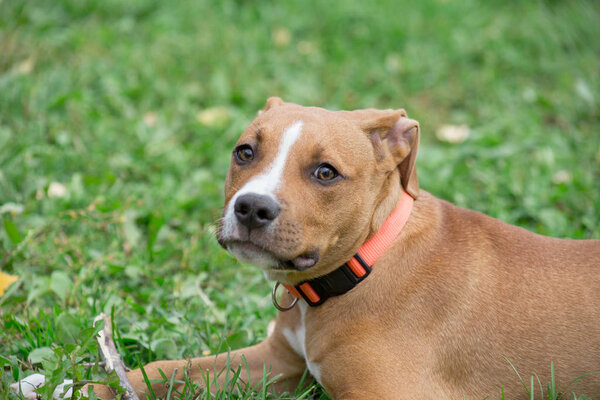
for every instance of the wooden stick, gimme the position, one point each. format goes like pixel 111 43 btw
pixel 110 356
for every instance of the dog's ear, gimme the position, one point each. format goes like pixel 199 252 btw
pixel 392 129
pixel 272 102
pixel 403 142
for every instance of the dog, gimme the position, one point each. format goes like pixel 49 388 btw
pixel 392 293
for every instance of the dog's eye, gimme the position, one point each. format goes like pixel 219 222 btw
pixel 326 172
pixel 243 154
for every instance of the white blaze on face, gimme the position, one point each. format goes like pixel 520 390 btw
pixel 266 183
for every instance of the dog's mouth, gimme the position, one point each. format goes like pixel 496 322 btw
pixel 253 253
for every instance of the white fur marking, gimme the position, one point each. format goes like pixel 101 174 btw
pixel 265 184
pixel 297 340
pixel 315 370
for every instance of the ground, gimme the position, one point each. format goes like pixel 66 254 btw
pixel 117 120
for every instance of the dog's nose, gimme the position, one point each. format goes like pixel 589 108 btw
pixel 255 210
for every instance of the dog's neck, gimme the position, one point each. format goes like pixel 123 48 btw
pixel 350 274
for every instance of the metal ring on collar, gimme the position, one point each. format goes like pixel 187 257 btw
pixel 276 304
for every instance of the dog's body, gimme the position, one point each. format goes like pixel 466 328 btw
pixel 450 308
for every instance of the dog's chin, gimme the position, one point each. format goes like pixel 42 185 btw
pixel 250 253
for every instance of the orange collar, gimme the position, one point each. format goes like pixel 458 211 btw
pixel 346 277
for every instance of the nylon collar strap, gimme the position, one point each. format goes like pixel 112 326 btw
pixel 346 277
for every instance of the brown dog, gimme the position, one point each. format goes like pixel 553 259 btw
pixel 455 299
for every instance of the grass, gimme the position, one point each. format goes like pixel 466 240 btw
pixel 117 120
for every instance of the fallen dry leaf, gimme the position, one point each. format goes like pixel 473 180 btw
pixel 281 36
pixel 453 133
pixel 57 189
pixel 149 119
pixel 213 116
pixel 26 66
pixel 5 281
pixel 562 176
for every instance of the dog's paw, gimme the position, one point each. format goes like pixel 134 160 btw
pixel 28 385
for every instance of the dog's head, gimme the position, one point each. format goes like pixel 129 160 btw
pixel 307 186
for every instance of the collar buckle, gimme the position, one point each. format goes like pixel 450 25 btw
pixel 335 283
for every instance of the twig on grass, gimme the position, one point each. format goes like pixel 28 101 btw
pixel 110 356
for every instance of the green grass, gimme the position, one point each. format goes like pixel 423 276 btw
pixel 105 98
